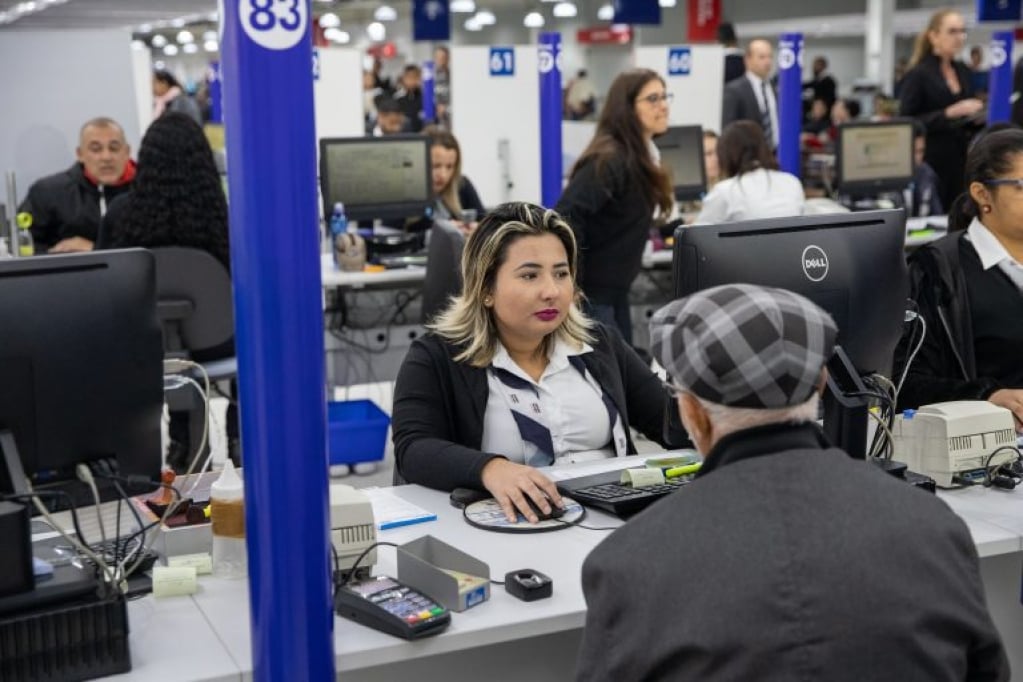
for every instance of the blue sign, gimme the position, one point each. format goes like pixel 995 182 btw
pixel 790 101
pixel 429 101
pixel 502 61
pixel 999 98
pixel 998 10
pixel 549 65
pixel 636 12
pixel 431 20
pixel 216 93
pixel 680 61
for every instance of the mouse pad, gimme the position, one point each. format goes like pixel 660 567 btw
pixel 488 515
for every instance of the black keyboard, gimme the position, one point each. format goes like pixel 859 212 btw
pixel 602 491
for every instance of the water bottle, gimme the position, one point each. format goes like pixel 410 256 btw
pixel 338 221
pixel 227 514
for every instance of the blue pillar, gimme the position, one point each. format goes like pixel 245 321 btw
pixel 790 101
pixel 429 108
pixel 550 118
pixel 275 261
pixel 999 105
pixel 216 93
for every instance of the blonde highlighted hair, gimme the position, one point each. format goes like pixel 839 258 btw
pixel 923 46
pixel 467 321
pixel 449 195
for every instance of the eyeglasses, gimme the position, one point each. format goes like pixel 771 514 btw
pixel 655 98
pixel 957 31
pixel 1017 182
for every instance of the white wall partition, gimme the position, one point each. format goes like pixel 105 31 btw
pixel 338 93
pixel 698 92
pixel 497 122
pixel 142 74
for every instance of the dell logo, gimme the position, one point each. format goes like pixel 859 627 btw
pixel 815 263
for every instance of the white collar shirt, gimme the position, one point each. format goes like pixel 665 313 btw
pixel 992 253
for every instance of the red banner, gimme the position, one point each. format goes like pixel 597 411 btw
pixel 615 34
pixel 704 17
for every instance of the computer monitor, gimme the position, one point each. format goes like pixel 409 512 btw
pixel 81 369
pixel 874 157
pixel 386 178
pixel 681 150
pixel 850 264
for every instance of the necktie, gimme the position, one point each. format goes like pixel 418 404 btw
pixel 765 116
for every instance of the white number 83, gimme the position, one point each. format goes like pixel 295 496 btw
pixel 274 24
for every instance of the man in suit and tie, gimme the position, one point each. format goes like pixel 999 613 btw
pixel 752 98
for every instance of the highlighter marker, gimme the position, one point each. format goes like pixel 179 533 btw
pixel 675 472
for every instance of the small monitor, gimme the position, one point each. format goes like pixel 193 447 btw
pixel 874 157
pixel 386 178
pixel 681 150
pixel 850 264
pixel 81 368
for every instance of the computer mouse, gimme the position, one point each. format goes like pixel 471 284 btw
pixel 556 512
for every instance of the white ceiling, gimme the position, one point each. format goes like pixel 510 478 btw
pixel 107 13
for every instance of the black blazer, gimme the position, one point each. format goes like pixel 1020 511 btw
pixel 437 417
pixel 740 102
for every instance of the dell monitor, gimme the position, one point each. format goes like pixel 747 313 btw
pixel 850 264
pixel 81 370
pixel 681 150
pixel 874 157
pixel 386 178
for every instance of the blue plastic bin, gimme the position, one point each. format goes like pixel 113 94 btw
pixel 356 431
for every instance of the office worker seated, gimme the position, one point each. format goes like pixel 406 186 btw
pixel 457 202
pixel 65 208
pixel 390 118
pixel 752 187
pixel 785 559
pixel 512 375
pixel 967 287
pixel 925 198
pixel 178 200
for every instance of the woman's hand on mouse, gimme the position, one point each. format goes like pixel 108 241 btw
pixel 510 483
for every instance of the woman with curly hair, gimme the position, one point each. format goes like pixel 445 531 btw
pixel 177 200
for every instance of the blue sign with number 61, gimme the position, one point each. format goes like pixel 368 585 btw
pixel 680 61
pixel 502 61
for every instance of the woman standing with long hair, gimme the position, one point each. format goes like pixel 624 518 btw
pixel 616 191
pixel 937 91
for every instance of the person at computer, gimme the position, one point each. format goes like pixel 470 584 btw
pixel 924 199
pixel 390 118
pixel 177 200
pixel 937 90
pixel 753 98
pixel 784 558
pixel 967 288
pixel 456 196
pixel 752 186
pixel 513 376
pixel 409 96
pixel 64 209
pixel 617 191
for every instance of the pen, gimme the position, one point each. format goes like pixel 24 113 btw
pixel 675 472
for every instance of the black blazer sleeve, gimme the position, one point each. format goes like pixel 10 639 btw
pixel 587 193
pixel 731 105
pixel 469 197
pixel 924 94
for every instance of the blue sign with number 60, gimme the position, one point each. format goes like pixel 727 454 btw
pixel 680 61
pixel 502 61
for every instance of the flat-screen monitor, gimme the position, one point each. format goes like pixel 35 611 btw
pixel 874 157
pixel 850 264
pixel 385 178
pixel 681 150
pixel 81 368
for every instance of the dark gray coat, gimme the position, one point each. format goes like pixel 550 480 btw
pixel 788 560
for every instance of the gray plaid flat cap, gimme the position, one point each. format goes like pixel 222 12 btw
pixel 743 345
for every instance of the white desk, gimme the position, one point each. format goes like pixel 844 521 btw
pixel 334 278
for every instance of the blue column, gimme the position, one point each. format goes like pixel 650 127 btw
pixel 550 118
pixel 429 108
pixel 999 105
pixel 790 101
pixel 216 93
pixel 275 261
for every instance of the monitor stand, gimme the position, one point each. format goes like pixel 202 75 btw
pixel 845 406
pixel 12 472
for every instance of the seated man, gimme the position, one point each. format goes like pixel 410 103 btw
pixel 785 559
pixel 390 118
pixel 66 208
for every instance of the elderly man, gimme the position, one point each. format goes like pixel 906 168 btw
pixel 752 98
pixel 65 209
pixel 785 559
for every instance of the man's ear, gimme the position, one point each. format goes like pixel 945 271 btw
pixel 822 381
pixel 694 417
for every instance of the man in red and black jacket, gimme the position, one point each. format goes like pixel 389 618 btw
pixel 65 209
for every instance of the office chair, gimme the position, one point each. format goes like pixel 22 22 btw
pixel 194 304
pixel 443 277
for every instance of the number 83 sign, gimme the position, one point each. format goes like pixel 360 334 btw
pixel 274 24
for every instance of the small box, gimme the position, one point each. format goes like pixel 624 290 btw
pixel 432 567
pixel 356 431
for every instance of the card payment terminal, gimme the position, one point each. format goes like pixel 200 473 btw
pixel 385 604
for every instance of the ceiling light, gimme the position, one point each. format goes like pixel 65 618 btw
pixel 186 37
pixel 330 20
pixel 376 31
pixel 209 35
pixel 666 3
pixel 462 6
pixel 211 46
pixel 178 23
pixel 548 0
pixel 336 35
pixel 385 13
pixel 485 18
pixel 606 13
pixel 190 48
pixel 24 7
pixel 471 24
pixel 159 40
pixel 146 28
pixel 170 50
pixel 565 10
pixel 533 20
pixel 138 45
pixel 160 64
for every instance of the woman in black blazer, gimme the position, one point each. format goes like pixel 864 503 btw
pixel 937 92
